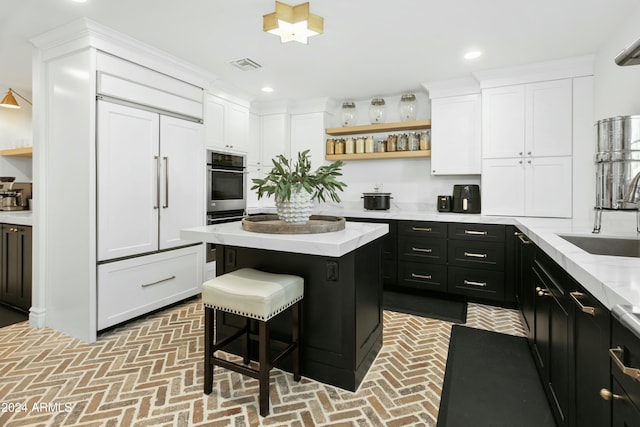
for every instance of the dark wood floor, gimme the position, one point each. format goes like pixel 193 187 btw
pixel 9 316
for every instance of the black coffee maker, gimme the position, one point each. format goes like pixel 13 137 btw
pixel 466 198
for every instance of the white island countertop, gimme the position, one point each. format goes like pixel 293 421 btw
pixel 332 244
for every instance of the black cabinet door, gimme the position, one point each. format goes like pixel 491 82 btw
pixel 16 266
pixel 552 340
pixel 625 413
pixel 525 290
pixel 592 338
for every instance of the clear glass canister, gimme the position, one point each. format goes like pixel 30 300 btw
pixel 403 142
pixel 360 145
pixel 425 140
pixel 408 107
pixel 339 148
pixel 381 145
pixel 349 146
pixel 331 146
pixel 392 142
pixel 413 141
pixel 348 113
pixel 377 110
pixel 369 145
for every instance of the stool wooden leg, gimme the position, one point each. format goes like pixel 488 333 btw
pixel 265 366
pixel 295 356
pixel 245 342
pixel 208 335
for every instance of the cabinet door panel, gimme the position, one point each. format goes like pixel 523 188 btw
pixel 15 279
pixel 456 135
pixel 422 249
pixel 182 179
pixel 503 187
pixel 503 126
pixel 473 254
pixel 127 196
pixel 476 283
pixel 423 276
pixel 549 118
pixel 548 187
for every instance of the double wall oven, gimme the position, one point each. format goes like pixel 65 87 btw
pixel 226 190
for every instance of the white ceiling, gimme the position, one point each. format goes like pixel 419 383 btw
pixel 369 47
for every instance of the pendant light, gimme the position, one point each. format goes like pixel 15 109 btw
pixel 9 101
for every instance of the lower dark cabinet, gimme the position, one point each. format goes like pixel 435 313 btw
pixel 625 413
pixel 551 340
pixel 592 338
pixel 525 291
pixel 625 369
pixel 15 263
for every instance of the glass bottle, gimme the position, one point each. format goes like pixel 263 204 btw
pixel 348 113
pixel 408 107
pixel 331 146
pixel 425 140
pixel 392 142
pixel 412 141
pixel 349 146
pixel 360 145
pixel 377 110
pixel 369 145
pixel 402 142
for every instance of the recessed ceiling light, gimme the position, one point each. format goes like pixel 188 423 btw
pixel 472 54
pixel 267 89
pixel 79 1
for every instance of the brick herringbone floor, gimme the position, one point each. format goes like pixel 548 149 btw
pixel 149 373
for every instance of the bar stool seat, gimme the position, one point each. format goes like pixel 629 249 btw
pixel 260 296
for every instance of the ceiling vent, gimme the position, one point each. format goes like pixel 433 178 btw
pixel 245 64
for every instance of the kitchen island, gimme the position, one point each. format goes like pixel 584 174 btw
pixel 342 306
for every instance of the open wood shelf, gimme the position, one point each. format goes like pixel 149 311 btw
pixel 379 127
pixel 386 155
pixel 17 152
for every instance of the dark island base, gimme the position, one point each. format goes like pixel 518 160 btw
pixel 342 309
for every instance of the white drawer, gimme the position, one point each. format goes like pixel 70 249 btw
pixel 136 286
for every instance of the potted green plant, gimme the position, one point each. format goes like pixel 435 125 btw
pixel 294 187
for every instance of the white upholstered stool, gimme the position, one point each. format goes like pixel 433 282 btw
pixel 256 295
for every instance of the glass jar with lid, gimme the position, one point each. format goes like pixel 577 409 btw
pixel 413 141
pixel 408 107
pixel 377 110
pixel 348 113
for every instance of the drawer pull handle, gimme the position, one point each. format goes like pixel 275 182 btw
pixel 473 255
pixel 522 238
pixel 542 292
pixel 606 394
pixel 144 285
pixel 584 308
pixel 428 230
pixel 422 250
pixel 475 233
pixel 616 356
pixel 481 284
pixel 420 276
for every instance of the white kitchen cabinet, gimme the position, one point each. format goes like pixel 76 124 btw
pixel 539 186
pixel 275 141
pixel 307 133
pixel 147 186
pixel 456 135
pixel 227 125
pixel 527 139
pixel 148 283
pixel 533 119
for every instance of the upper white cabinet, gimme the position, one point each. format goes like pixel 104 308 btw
pixel 527 147
pixel 527 120
pixel 227 125
pixel 456 135
pixel 307 133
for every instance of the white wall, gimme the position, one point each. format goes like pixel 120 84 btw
pixel 16 131
pixel 617 93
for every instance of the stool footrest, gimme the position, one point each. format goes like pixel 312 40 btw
pixel 228 340
pixel 236 367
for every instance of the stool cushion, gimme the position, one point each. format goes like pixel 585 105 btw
pixel 252 293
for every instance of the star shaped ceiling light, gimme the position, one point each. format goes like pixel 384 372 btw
pixel 293 23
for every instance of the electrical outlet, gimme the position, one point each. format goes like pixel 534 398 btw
pixel 332 271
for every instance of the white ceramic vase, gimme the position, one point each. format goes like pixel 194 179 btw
pixel 297 210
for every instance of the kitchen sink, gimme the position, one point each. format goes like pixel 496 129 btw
pixel 612 246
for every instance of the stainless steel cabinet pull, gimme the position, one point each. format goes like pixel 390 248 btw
pixel 144 285
pixel 421 229
pixel 616 356
pixel 166 182
pixel 585 309
pixel 469 282
pixel 157 205
pixel 522 238
pixel 422 250
pixel 475 233
pixel 420 276
pixel 473 255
